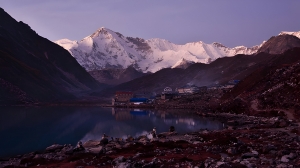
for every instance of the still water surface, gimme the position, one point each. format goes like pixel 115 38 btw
pixel 23 130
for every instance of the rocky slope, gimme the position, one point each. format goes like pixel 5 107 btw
pixel 273 87
pixel 34 69
pixel 108 49
pixel 270 90
pixel 112 76
pixel 279 44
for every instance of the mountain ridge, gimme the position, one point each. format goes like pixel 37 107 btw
pixel 219 72
pixel 108 49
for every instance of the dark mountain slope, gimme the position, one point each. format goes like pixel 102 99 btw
pixel 116 76
pixel 273 86
pixel 288 58
pixel 33 69
pixel 220 71
pixel 279 44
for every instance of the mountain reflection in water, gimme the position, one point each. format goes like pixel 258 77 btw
pixel 136 122
pixel 24 130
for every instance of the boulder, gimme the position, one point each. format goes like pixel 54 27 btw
pixel 127 145
pixel 292 155
pixel 281 166
pixel 282 123
pixel 54 147
pixel 68 152
pixel 268 148
pixel 143 140
pixel 104 141
pixel 119 159
pixel 68 149
pixel 208 162
pixel 96 150
pixel 130 139
pixel 231 127
pixel 163 134
pixel 220 163
pixel 283 152
pixel 38 156
pixel 297 138
pixel 254 152
pixel 123 165
pixel 196 142
pixel 137 155
pixel 232 150
pixel 285 158
pixel 197 139
pixel 91 143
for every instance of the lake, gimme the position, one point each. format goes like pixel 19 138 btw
pixel 24 130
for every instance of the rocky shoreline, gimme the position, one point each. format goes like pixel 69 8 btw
pixel 246 141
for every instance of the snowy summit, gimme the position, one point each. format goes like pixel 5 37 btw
pixel 108 49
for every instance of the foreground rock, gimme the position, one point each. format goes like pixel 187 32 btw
pixel 245 142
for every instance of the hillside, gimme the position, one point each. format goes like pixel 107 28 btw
pixel 34 69
pixel 219 72
pixel 274 86
pixel 279 44
pixel 114 76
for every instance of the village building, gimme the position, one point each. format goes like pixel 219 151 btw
pixel 122 97
pixel 138 101
pixel 168 93
pixel 158 96
pixel 189 89
pixel 167 96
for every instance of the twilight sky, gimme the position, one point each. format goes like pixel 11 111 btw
pixel 230 22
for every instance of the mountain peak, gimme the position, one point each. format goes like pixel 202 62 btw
pixel 108 49
pixel 101 30
pixel 279 44
pixel 218 44
pixel 183 63
pixel 297 34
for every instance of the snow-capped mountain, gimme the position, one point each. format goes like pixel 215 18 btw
pixel 183 63
pixel 108 49
pixel 297 34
